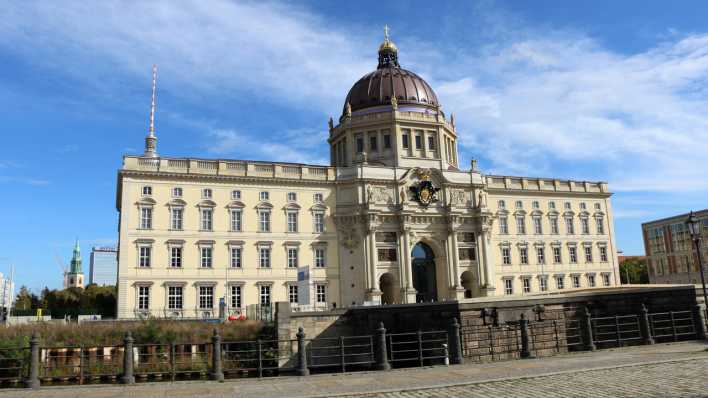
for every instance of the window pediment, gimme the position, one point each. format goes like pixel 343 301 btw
pixel 568 213
pixel 176 203
pixel 235 204
pixel 584 214
pixel 552 213
pixel 520 213
pixel 599 214
pixel 291 206
pixel 146 202
pixel 318 207
pixel 537 213
pixel 206 203
pixel 235 243
pixel 264 206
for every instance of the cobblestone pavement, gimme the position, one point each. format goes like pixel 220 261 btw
pixel 662 370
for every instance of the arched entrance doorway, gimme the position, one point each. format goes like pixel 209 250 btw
pixel 423 266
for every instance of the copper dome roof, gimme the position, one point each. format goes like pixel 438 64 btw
pixel 389 80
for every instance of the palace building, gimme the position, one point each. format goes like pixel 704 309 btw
pixel 393 219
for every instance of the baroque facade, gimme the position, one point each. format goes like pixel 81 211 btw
pixel 393 219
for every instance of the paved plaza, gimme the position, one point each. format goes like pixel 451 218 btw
pixel 664 370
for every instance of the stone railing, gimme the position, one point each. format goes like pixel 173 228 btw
pixel 545 184
pixel 229 168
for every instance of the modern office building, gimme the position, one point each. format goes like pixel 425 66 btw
pixel 103 266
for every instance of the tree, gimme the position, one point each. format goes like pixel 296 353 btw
pixel 636 268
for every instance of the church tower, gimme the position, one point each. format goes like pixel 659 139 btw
pixel 75 276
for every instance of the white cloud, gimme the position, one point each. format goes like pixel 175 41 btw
pixel 296 146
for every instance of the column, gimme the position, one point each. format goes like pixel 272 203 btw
pixel 487 264
pixel 410 290
pixel 459 291
pixel 373 292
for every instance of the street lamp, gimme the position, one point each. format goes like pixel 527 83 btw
pixel 694 229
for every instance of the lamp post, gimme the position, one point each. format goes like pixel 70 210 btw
pixel 694 229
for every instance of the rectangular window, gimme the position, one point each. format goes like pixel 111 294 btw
pixel 508 286
pixel 177 219
pixel 206 297
pixel 541 255
pixel 146 218
pixel 264 221
pixel 520 225
pixel 318 198
pixel 387 254
pixel 588 254
pixel 527 285
pixel 600 223
pixel 174 297
pixel 359 145
pixel 264 257
pixel 537 226
pixel 265 295
pixel 551 205
pixel 431 142
pixel 560 283
pixel 292 197
pixel 319 222
pixel 554 225
pixel 524 255
pixel 145 256
pixel 292 258
pixel 603 254
pixel 206 257
pixel 519 204
pixel 236 257
pixel 236 220
pixel 591 280
pixel 387 141
pixel 207 219
pixel 321 294
pixel 418 141
pixel 543 283
pixel 320 253
pixel 404 141
pixel 569 226
pixel 235 194
pixel 176 257
pixel 566 205
pixel 292 221
pixel 292 294
pixel 373 145
pixel 557 255
pixel 576 281
pixel 503 226
pixel 143 297
pixel 206 193
pixel 585 225
pixel 572 251
pixel 535 204
pixel 606 279
pixel 147 191
pixel 235 296
pixel 177 192
pixel 506 255
pixel 264 196
pixel 468 253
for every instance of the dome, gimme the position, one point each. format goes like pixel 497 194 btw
pixel 390 80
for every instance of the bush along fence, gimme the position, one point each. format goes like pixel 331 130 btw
pixel 524 339
pixel 216 359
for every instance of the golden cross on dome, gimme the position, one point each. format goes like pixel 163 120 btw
pixel 385 32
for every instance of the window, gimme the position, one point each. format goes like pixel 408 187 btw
pixel 569 226
pixel 501 204
pixel 557 255
pixel 468 253
pixel 319 222
pixel 206 193
pixel 599 222
pixel 526 282
pixel 177 192
pixel 236 257
pixel 524 255
pixel 292 294
pixel 236 219
pixel 320 254
pixel 292 197
pixel 318 198
pixel 387 141
pixel 537 226
pixel 603 254
pixel 292 221
pixel 359 145
pixel 176 257
pixel 591 280
pixel 535 204
pixel 264 257
pixel 541 255
pixel 606 279
pixel 264 196
pixel 321 294
pixel 145 256
pixel 264 221
pixel 418 141
pixel 585 225
pixel 560 282
pixel 552 205
pixel 206 259
pixel 235 296
pixel 292 258
pixel 576 281
pixel 519 204
pixel 206 297
pixel 143 297
pixel 508 286
pixel 520 225
pixel 543 283
pixel 147 191
pixel 373 145
pixel 506 255
pixel 573 254
pixel 588 254
pixel 431 142
pixel 503 226
pixel 597 206
pixel 207 219
pixel 583 206
pixel 404 141
pixel 387 254
pixel 235 194
pixel 566 205
pixel 146 218
pixel 554 225
pixel 265 294
pixel 175 298
pixel 177 218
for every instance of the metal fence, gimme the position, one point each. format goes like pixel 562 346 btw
pixel 618 330
pixel 672 325
pixel 341 353
pixel 489 342
pixel 417 348
pixel 14 363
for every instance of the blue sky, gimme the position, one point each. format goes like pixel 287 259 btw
pixel 603 90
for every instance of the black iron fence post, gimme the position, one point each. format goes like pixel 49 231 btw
pixel 260 359
pixel 302 369
pixel 420 346
pixel 81 365
pixel 455 343
pixel 381 357
pixel 342 357
pixel 589 343
pixel 646 326
pixel 699 321
pixel 33 379
pixel 216 371
pixel 173 361
pixel 128 377
pixel 524 329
